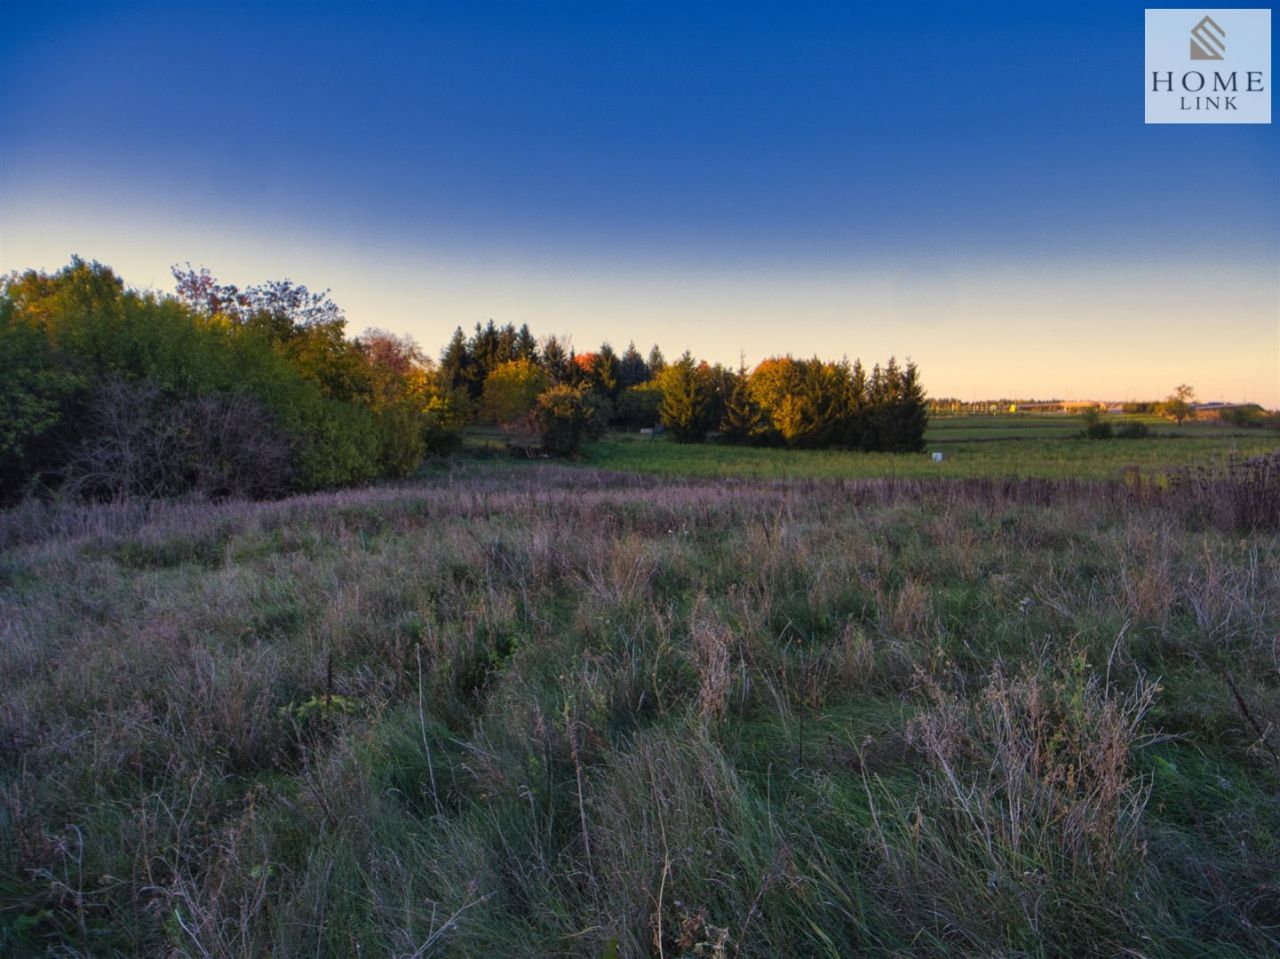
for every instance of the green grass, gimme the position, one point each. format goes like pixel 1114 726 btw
pixel 1031 458
pixel 1029 446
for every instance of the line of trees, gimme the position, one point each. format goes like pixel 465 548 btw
pixel 784 401
pixel 800 404
pixel 220 390
pixel 214 390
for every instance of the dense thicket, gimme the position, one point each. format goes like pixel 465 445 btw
pixel 216 390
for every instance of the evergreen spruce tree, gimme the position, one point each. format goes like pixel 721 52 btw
pixel 911 412
pixel 505 348
pixel 657 362
pixel 605 374
pixel 855 425
pixel 743 419
pixel 455 362
pixel 890 388
pixel 555 361
pixel 632 369
pixel 526 347
pixel 824 403
pixel 484 352
pixel 684 401
pixel 873 418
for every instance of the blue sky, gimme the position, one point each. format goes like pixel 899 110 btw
pixel 971 184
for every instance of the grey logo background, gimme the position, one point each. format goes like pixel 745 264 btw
pixel 1208 40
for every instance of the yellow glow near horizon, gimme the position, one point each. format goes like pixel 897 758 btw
pixel 1117 330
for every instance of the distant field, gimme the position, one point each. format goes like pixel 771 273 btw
pixel 1014 426
pixel 1031 446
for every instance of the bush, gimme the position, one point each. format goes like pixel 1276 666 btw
pixel 1243 415
pixel 401 439
pixel 443 419
pixel 1133 430
pixel 639 407
pixel 36 404
pixel 511 390
pixel 569 416
pixel 1095 427
pixel 1243 495
pixel 140 441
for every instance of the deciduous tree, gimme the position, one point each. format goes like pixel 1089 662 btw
pixel 1178 406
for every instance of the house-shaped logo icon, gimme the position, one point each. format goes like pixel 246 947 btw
pixel 1207 40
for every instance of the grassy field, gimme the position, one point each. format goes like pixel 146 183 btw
pixel 945 428
pixel 1028 446
pixel 548 710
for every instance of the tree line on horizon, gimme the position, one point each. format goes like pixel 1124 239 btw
pixel 510 378
pixel 220 390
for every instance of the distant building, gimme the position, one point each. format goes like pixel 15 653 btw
pixel 1061 406
pixel 1214 411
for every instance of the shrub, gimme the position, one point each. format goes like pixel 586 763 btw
pixel 1243 415
pixel 140 441
pixel 1244 495
pixel 638 407
pixel 401 439
pixel 511 390
pixel 523 435
pixel 1133 430
pixel 1095 427
pixel 37 402
pixel 443 417
pixel 569 416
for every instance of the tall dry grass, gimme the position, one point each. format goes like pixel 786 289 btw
pixel 554 711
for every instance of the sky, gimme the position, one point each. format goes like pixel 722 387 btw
pixel 971 184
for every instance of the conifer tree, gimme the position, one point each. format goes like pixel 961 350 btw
pixel 526 347
pixel 743 419
pixel 657 362
pixel 855 425
pixel 456 363
pixel 911 413
pixel 685 389
pixel 632 369
pixel 555 360
pixel 604 373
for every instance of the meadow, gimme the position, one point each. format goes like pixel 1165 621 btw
pixel 1040 446
pixel 526 709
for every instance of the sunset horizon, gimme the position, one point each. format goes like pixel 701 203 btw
pixel 739 184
